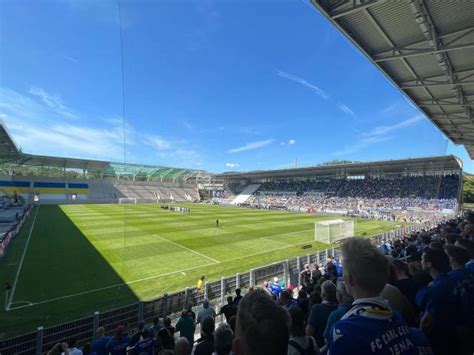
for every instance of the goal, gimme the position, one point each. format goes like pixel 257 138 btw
pixel 333 230
pixel 127 200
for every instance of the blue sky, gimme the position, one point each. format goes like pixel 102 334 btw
pixel 216 85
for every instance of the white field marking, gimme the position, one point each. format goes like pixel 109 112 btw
pixel 28 303
pixel 108 287
pixel 188 249
pixel 22 259
pixel 165 274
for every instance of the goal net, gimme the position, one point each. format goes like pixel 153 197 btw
pixel 333 230
pixel 127 200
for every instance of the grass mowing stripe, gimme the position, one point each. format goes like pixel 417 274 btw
pixel 12 292
pixel 186 248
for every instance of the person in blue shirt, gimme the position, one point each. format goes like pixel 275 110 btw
pixel 469 246
pixel 320 312
pixel 99 347
pixel 118 344
pixel 371 326
pixel 146 345
pixel 458 257
pixel 275 288
pixel 345 302
pixel 438 304
pixel 287 301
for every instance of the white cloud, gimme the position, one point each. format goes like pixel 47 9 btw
pixel 317 90
pixel 232 165
pixel 54 102
pixel 157 142
pixel 289 142
pixel 38 123
pixel 251 146
pixel 384 130
pixel 70 59
pixel 377 135
pixel 344 108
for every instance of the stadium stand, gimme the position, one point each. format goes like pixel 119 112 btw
pixel 408 190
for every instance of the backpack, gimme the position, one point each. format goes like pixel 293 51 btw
pixel 309 350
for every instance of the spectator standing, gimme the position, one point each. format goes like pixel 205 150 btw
pixel 59 348
pixel 469 246
pixel 287 301
pixel 345 302
pixel 223 337
pixel 275 288
pixel 72 347
pixel 229 310
pixel 299 344
pixel 407 286
pixel 182 346
pixel 205 346
pixel 262 326
pixel 136 337
pixel 303 302
pixel 118 344
pixel 206 311
pixel 238 296
pixel 155 327
pixel 438 304
pixel 146 345
pixel 319 314
pixel 185 327
pixel 458 257
pixel 165 335
pixel 99 347
pixel 363 329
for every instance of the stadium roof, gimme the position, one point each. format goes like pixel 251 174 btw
pixel 11 154
pixel 425 48
pixel 444 163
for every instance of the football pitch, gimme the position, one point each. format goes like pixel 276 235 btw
pixel 71 260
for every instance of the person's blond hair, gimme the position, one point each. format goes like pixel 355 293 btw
pixel 367 266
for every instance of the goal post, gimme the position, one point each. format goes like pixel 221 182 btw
pixel 127 200
pixel 334 230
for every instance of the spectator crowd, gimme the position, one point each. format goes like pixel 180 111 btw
pixel 412 198
pixel 410 295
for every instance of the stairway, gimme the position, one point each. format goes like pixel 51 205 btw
pixel 245 194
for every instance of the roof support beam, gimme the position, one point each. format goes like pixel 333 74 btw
pixel 356 6
pixel 416 45
pixel 412 52
pixel 441 104
pixel 426 84
pixel 458 73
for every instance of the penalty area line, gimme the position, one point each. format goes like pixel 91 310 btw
pixel 12 292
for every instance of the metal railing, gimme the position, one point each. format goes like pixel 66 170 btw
pixel 171 305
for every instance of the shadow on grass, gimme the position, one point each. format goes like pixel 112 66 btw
pixel 63 276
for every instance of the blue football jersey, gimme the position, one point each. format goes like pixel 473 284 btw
pixel 371 327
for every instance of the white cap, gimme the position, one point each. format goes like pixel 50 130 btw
pixel 275 279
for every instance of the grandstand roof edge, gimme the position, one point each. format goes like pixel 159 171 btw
pixel 453 161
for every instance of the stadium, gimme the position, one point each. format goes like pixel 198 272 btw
pixel 94 250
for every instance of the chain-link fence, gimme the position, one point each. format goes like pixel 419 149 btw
pixel 171 305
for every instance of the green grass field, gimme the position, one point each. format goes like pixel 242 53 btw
pixel 84 258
